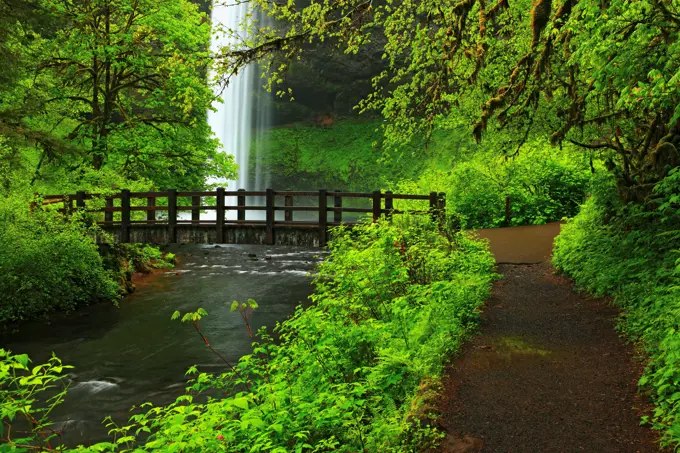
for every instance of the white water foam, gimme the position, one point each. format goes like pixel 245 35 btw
pixel 95 386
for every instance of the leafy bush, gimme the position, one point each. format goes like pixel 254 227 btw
pixel 632 252
pixel 20 388
pixel 47 263
pixel 542 184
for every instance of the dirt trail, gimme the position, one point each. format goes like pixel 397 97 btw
pixel 547 374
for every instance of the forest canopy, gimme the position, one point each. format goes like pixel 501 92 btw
pixel 603 75
pixel 115 86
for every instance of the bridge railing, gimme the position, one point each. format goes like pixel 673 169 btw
pixel 129 209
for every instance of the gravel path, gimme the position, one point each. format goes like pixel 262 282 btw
pixel 547 374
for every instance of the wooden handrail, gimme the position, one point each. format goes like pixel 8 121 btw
pixel 328 203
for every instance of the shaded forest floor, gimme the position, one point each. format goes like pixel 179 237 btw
pixel 547 374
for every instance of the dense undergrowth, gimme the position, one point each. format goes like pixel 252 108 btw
pixel 50 262
pixel 47 263
pixel 632 252
pixel 541 183
pixel 355 371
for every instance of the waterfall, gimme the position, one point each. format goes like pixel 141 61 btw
pixel 244 113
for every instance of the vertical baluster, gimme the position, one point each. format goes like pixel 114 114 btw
pixel 288 202
pixel 80 199
pixel 323 216
pixel 108 214
pixel 125 216
pixel 151 213
pixel 172 216
pixel 337 203
pixel 433 206
pixel 389 205
pixel 377 199
pixel 241 203
pixel 195 210
pixel 269 240
pixel 220 215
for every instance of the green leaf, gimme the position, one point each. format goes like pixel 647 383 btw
pixel 241 403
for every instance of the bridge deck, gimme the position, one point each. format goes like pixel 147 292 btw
pixel 175 217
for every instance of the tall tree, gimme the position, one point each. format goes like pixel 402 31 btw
pixel 130 77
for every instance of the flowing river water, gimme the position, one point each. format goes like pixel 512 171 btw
pixel 135 353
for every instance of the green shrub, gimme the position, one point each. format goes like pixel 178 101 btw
pixel 21 386
pixel 542 184
pixel 632 252
pixel 47 263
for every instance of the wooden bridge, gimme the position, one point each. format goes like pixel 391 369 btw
pixel 175 217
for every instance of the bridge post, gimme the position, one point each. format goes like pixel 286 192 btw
pixel 219 215
pixel 377 200
pixel 241 203
pixel 389 205
pixel 151 212
pixel 172 216
pixel 323 216
pixel 195 210
pixel 434 202
pixel 337 203
pixel 269 210
pixel 288 202
pixel 125 216
pixel 80 199
pixel 108 215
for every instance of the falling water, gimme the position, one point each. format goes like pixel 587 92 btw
pixel 242 115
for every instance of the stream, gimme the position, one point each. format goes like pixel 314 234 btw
pixel 132 354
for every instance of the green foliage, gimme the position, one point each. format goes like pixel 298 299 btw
pixel 144 258
pixel 129 78
pixel 47 263
pixel 115 85
pixel 344 155
pixel 21 387
pixel 632 252
pixel 355 371
pixel 542 185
